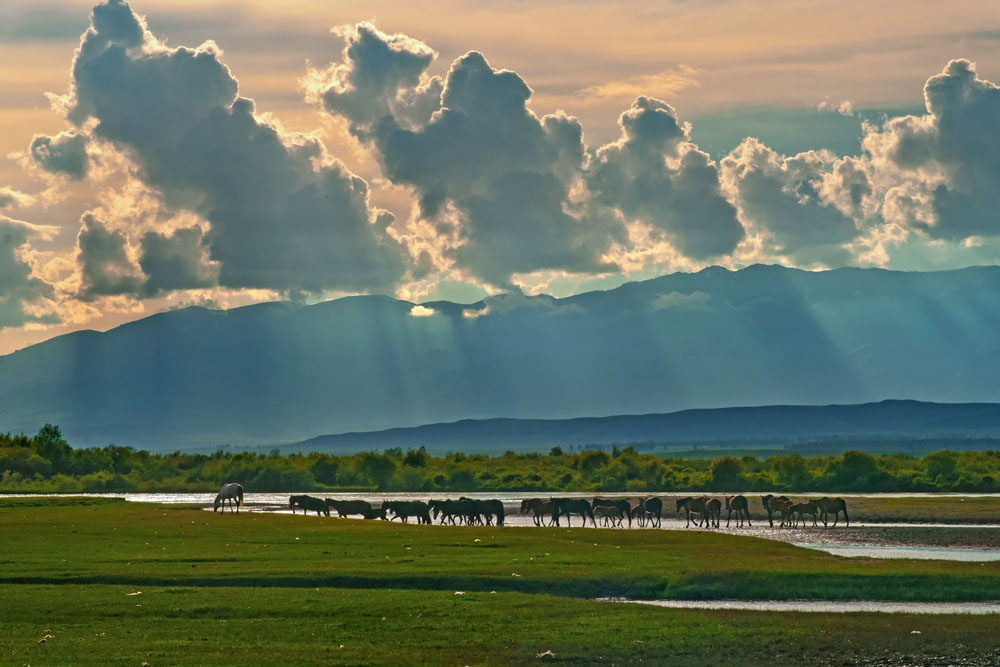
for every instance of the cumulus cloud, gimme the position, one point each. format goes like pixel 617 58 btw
pixel 653 174
pixel 17 284
pixel 106 263
pixel 380 75
pixel 945 165
pixel 177 261
pixel 65 153
pixel 282 214
pixel 492 177
pixel 792 201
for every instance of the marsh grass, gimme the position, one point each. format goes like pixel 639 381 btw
pixel 256 588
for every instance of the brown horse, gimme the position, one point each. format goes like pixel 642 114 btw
pixel 691 506
pixel 712 514
pixel 540 509
pixel 771 505
pixel 799 511
pixel 611 514
pixel 739 505
pixel 832 505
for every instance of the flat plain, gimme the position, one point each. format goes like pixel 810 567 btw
pixel 114 582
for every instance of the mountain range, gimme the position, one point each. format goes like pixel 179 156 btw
pixel 922 425
pixel 283 372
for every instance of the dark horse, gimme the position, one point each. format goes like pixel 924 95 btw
pixel 571 506
pixel 739 505
pixel 651 508
pixel 308 504
pixel 404 509
pixel 622 505
pixel 834 505
pixel 346 507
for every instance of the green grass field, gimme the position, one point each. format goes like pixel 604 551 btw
pixel 265 589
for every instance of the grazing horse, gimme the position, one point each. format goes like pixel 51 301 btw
pixel 739 505
pixel 232 492
pixel 713 513
pixel 620 503
pixel 406 509
pixel 309 504
pixel 771 505
pixel 799 511
pixel 346 507
pixel 374 513
pixel 691 506
pixel 571 506
pixel 539 508
pixel 834 505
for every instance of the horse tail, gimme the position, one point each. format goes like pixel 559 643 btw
pixel 239 496
pixel 846 518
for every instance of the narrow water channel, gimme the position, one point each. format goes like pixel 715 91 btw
pixel 838 606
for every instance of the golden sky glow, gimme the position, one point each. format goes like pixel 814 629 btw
pixel 589 59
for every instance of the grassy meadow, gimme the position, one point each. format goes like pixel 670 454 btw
pixel 105 581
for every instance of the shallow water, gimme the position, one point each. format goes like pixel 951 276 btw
pixel 839 606
pixel 833 540
pixel 917 552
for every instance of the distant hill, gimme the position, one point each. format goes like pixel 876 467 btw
pixel 794 423
pixel 284 372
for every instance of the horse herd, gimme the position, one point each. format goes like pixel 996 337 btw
pixel 468 511
pixel 702 511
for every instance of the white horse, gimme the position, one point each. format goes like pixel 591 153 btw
pixel 231 492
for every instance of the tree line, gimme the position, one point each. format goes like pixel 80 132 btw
pixel 46 463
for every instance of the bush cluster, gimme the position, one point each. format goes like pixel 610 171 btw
pixel 47 463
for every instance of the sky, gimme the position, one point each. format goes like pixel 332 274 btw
pixel 163 154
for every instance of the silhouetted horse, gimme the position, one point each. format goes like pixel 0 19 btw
pixel 404 509
pixel 769 501
pixel 346 507
pixel 308 504
pixel 652 508
pixel 691 506
pixel 713 513
pixel 232 492
pixel 739 505
pixel 374 513
pixel 571 506
pixel 834 505
pixel 539 508
pixel 622 505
